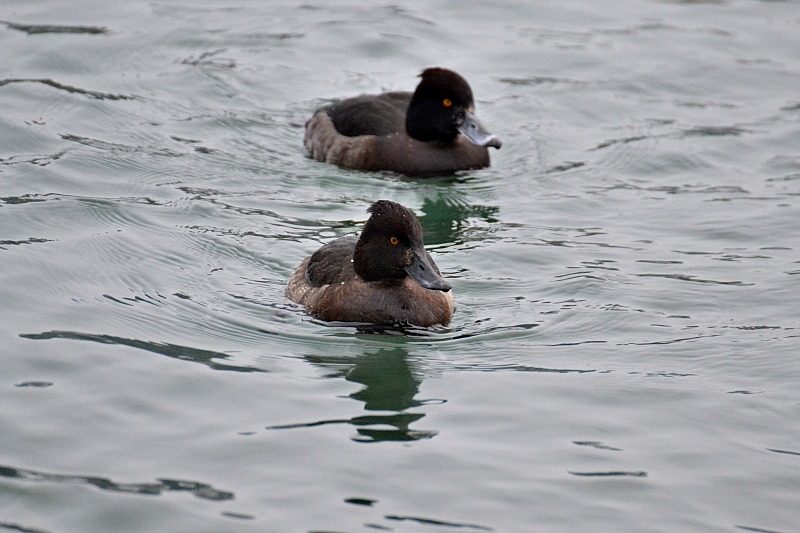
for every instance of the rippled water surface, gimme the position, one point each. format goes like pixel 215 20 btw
pixel 624 352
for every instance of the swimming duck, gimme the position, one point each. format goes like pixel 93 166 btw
pixel 385 276
pixel 432 131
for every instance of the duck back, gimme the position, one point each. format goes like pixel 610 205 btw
pixel 381 114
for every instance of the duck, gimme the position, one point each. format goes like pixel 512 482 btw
pixel 385 276
pixel 432 131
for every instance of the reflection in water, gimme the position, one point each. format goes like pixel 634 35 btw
pixel 32 29
pixel 20 529
pixel 389 385
pixel 184 353
pixel 68 88
pixel 611 473
pixel 444 217
pixel 201 490
pixel 433 522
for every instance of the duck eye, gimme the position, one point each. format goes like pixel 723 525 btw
pixel 393 240
pixel 447 102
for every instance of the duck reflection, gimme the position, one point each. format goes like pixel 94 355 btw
pixel 390 387
pixel 444 216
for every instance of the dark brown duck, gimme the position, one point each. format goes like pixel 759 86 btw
pixel 383 277
pixel 432 131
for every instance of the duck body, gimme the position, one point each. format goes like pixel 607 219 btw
pixel 430 131
pixel 382 277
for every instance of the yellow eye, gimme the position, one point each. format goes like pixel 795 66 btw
pixel 447 102
pixel 393 240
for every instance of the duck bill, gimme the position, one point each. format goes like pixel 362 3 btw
pixel 473 130
pixel 423 272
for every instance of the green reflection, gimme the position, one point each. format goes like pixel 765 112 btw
pixel 390 385
pixel 444 216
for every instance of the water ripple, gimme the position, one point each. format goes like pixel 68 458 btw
pixel 21 529
pixel 787 452
pixel 68 88
pixel 41 160
pixel 435 522
pixel 696 131
pixel 612 473
pixel 31 240
pixel 119 147
pixel 695 279
pixel 759 529
pixel 596 444
pixel 183 353
pixel 33 29
pixel 200 490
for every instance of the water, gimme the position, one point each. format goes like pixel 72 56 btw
pixel 623 356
